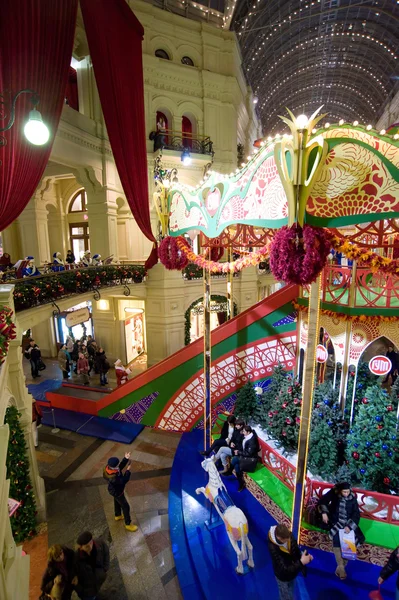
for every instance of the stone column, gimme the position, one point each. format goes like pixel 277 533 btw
pixel 105 329
pixel 102 213
pixel 11 242
pixel 33 230
pixel 164 313
pixel 16 385
pixel 125 229
pixel 248 288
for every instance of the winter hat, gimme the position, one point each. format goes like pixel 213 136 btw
pixel 84 538
pixel 343 485
pixel 113 462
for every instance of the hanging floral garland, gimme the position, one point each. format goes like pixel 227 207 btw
pixel 365 257
pixel 297 255
pixel 345 317
pixel 251 259
pixel 7 331
pixel 171 255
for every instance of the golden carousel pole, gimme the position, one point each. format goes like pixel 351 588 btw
pixel 207 358
pixel 300 128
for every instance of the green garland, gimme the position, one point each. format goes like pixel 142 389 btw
pixel 187 320
pixel 23 522
pixel 44 289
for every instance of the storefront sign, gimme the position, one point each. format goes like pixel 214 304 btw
pixel 76 317
pixel 321 354
pixel 380 365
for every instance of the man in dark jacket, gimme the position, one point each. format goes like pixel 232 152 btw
pixel 226 435
pixel 389 569
pixel 113 473
pixel 287 560
pixel 34 355
pixel 92 564
pixel 101 365
pixel 235 443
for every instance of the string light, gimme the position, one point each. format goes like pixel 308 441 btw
pixel 382 132
pixel 369 127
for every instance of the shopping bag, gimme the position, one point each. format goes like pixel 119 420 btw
pixel 348 544
pixel 376 594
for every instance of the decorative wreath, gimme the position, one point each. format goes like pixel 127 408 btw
pixel 7 331
pixel 297 254
pixel 170 255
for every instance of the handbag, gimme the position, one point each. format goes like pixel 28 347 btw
pixel 376 594
pixel 348 544
pixel 248 465
pixel 40 365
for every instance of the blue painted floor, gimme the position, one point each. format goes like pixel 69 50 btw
pixel 38 390
pixel 205 560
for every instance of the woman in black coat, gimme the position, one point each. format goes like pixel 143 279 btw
pixel 340 510
pixel 246 459
pixel 61 568
pixel 390 568
pixel 225 436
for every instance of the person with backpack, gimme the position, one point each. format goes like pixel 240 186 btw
pixel 34 355
pixel 102 365
pixel 117 480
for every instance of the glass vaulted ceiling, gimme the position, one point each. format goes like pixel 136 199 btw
pixel 305 53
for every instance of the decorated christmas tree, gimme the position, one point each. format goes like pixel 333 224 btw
pixel 284 414
pixel 372 447
pixel 328 432
pixel 23 522
pixel 277 381
pixel 246 402
pixel 364 380
pixel 394 394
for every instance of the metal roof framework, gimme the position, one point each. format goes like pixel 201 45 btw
pixel 342 54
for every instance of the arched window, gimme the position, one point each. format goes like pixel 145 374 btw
pixel 79 231
pixel 187 132
pixel 71 92
pixel 78 202
pixel 162 54
pixel 186 60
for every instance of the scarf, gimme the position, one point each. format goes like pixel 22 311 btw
pixel 342 516
pixel 246 439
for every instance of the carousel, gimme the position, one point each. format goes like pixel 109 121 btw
pixel 319 207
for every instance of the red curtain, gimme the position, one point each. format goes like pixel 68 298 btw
pixel 36 40
pixel 187 130
pixel 71 92
pixel 115 35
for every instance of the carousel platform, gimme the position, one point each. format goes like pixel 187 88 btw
pixel 205 560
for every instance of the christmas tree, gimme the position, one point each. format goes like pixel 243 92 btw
pixel 284 415
pixel 323 453
pixel 394 395
pixel 372 447
pixel 246 402
pixel 23 522
pixel 364 380
pixel 269 396
pixel 328 432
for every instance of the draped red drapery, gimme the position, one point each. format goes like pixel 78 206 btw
pixel 115 36
pixel 36 40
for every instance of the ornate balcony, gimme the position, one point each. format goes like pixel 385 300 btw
pixel 178 141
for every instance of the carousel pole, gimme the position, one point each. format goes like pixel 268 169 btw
pixel 348 337
pixel 230 274
pixel 207 358
pixel 306 409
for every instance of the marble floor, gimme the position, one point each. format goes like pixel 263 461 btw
pixel 142 564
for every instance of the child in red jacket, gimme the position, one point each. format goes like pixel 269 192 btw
pixel 83 368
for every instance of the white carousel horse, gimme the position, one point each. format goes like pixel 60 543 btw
pixel 234 519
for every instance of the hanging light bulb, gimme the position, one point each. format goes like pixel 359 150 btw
pixel 36 132
pixel 301 121
pixel 356 123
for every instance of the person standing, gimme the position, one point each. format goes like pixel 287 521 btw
pixel 36 422
pixel 34 355
pixel 83 368
pixel 102 366
pixel 63 361
pixel 391 567
pixel 117 480
pixel 393 357
pixel 60 570
pixel 340 510
pixel 287 560
pixel 92 564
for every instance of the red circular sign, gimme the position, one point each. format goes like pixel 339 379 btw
pixel 321 354
pixel 380 365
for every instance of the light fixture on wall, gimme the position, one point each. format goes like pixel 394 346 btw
pixel 36 132
pixel 185 157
